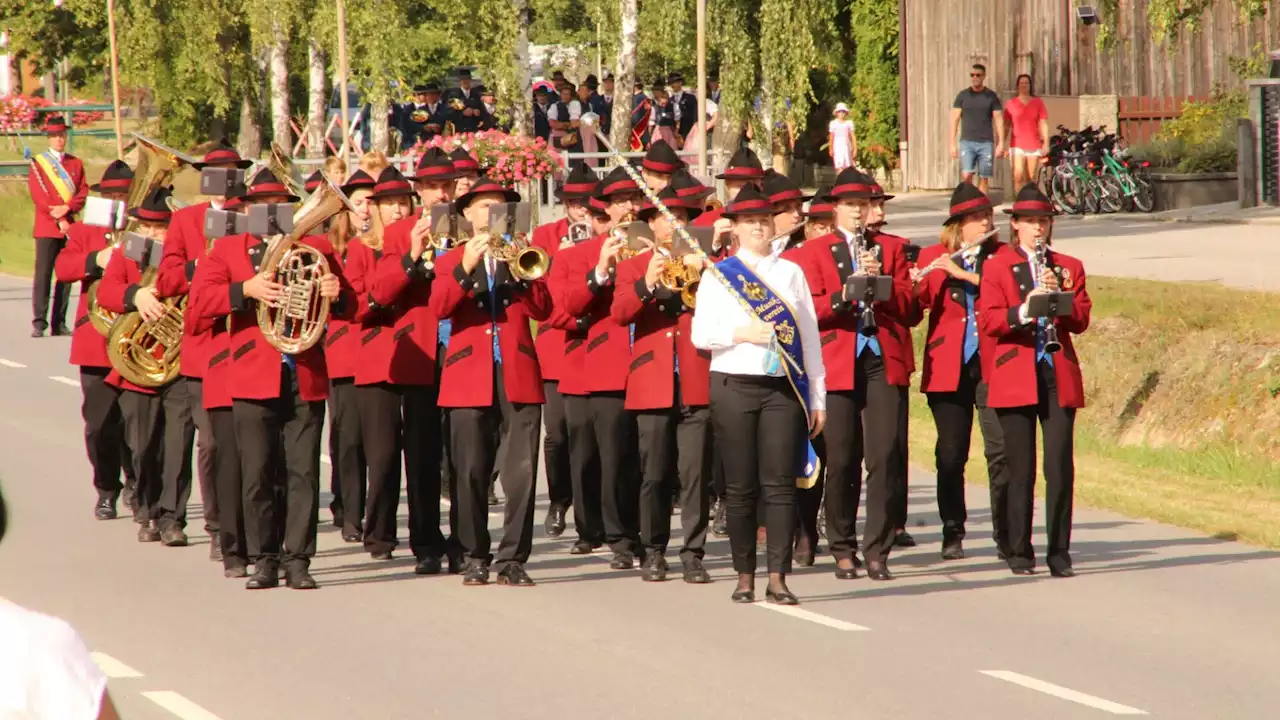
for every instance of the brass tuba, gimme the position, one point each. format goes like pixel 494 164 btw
pixel 157 165
pixel 281 165
pixel 295 322
pixel 147 353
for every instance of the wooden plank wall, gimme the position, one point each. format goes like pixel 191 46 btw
pixel 1042 37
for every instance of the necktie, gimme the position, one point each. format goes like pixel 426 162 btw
pixel 445 327
pixel 491 267
pixel 970 326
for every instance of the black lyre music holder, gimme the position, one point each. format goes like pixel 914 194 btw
pixel 511 220
pixel 1054 304
pixel 704 236
pixel 447 222
pixel 143 250
pixel 869 288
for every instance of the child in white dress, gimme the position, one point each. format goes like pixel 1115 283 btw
pixel 842 142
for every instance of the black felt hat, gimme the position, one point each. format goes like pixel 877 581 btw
pixel 750 201
pixel 967 198
pixel 579 185
pixel 116 178
pixel 744 165
pixel 1031 202
pixel 154 208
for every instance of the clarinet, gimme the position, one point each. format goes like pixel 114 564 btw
pixel 1051 344
pixel 867 320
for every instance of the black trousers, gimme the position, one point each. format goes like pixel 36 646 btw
pixel 103 430
pixel 1058 426
pixel 229 489
pixel 615 435
pixel 717 472
pixel 474 445
pixel 401 421
pixel 206 460
pixel 584 470
pixel 47 250
pixel 179 441
pixel 448 473
pixel 555 447
pixel 283 432
pixel 899 471
pixel 953 415
pixel 760 419
pixel 862 425
pixel 143 431
pixel 678 435
pixel 347 469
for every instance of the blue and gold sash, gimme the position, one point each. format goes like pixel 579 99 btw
pixel 763 302
pixel 57 175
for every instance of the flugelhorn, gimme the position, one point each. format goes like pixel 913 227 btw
pixel 296 321
pixel 156 167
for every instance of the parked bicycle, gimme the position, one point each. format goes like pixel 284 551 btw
pixel 1088 171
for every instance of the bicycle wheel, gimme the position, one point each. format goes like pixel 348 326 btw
pixel 1088 192
pixel 1144 194
pixel 1065 191
pixel 1110 193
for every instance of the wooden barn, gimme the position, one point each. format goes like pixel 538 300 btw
pixel 1134 85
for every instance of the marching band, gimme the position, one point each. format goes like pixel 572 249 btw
pixel 738 359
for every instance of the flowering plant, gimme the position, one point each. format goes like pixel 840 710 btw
pixel 18 112
pixel 507 159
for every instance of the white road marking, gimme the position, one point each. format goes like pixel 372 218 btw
pixel 64 380
pixel 11 364
pixel 812 617
pixel 324 458
pixel 112 667
pixel 180 706
pixel 1063 693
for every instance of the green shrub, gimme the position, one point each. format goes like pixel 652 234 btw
pixel 1202 139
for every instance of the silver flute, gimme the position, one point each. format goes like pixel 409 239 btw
pixel 959 254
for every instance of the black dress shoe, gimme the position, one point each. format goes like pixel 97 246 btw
pixel 381 555
pixel 878 571
pixel 428 565
pixel 695 574
pixel 457 563
pixel 849 573
pixel 1022 570
pixel 299 578
pixel 953 551
pixel 513 574
pixel 554 524
pixel 743 596
pixel 477 573
pixel 1063 571
pixel 720 524
pixel 61 331
pixel 904 539
pixel 215 548
pixel 173 536
pixel 235 571
pixel 37 333
pixel 622 561
pixel 582 547
pixel 148 533
pixel 266 574
pixel 352 537
pixel 655 568
pixel 105 509
pixel 131 496
pixel 781 597
pixel 493 496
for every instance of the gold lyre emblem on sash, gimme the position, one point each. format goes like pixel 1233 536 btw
pixel 786 332
pixel 752 290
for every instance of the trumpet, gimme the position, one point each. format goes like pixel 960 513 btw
pixel 679 277
pixel 527 262
pixel 966 253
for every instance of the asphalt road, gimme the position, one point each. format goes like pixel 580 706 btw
pixel 1159 621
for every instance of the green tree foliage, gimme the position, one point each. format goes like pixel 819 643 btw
pixel 873 24
pixel 1168 18
pixel 76 31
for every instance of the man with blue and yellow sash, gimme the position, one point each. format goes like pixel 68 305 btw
pixel 58 190
pixel 755 315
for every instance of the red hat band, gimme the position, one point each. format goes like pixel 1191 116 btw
pixel 221 155
pixel 785 196
pixel 970 205
pixel 659 167
pixel 853 188
pixel 270 188
pixel 748 205
pixel 157 215
pixel 743 173
pixel 1032 206
pixel 115 184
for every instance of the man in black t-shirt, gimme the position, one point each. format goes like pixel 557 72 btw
pixel 979 117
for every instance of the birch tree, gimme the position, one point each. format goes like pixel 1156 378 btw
pixel 625 74
pixel 317 107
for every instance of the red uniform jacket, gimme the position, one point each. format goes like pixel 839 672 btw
pixel 470 303
pixel 255 365
pixel 341 338
pixel 662 334
pixel 217 389
pixel 398 329
pixel 1009 348
pixel 78 263
pixel 184 247
pixel 115 293
pixel 944 297
pixel 827 263
pixel 606 353
pixel 708 219
pixel 550 342
pixel 45 225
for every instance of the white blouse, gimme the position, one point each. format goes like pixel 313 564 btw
pixel 718 315
pixel 46 672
